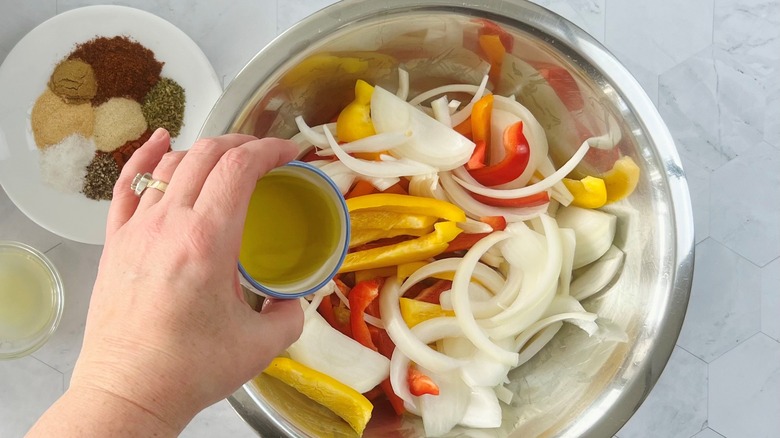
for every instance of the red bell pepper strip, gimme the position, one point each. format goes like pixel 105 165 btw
pixel 432 293
pixel 478 158
pixel 359 298
pixel 514 163
pixel 336 319
pixel 396 402
pixel 464 241
pixel 498 223
pixel 420 384
pixel 526 201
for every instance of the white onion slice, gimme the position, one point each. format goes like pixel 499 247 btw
pixel 399 168
pixel 538 341
pixel 441 111
pixel 373 143
pixel 312 136
pixel 403 84
pixel 475 209
pixel 598 274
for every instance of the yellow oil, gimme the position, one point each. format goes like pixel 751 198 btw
pixel 26 298
pixel 292 228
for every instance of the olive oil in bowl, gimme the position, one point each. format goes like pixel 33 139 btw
pixel 296 232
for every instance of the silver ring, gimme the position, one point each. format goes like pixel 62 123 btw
pixel 145 181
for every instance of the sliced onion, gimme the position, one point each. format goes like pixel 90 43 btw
pixel 567 304
pixel 598 274
pixel 373 143
pixel 317 298
pixel 431 142
pixel 311 135
pixel 462 304
pixel 594 231
pixel 558 192
pixel 441 111
pixel 504 394
pixel 476 90
pixel 475 209
pixel 483 410
pixel 402 336
pixel 403 84
pixel 568 244
pixel 399 168
pixel 538 341
pixel 427 186
pixel 380 184
pixel 481 273
pixel 534 328
pixel 467 181
pixel 534 134
pixel 440 413
pixel 474 227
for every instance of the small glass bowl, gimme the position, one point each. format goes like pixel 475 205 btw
pixel 39 268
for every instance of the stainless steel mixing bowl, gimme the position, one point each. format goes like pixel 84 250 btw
pixel 576 386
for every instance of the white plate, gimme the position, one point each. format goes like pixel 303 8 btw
pixel 23 77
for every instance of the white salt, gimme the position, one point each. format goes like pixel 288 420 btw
pixel 64 165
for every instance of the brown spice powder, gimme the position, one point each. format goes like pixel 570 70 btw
pixel 123 68
pixel 123 154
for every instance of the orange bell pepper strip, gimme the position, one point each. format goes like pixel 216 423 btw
pixel 480 131
pixel 361 188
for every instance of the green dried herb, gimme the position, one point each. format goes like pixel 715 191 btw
pixel 163 106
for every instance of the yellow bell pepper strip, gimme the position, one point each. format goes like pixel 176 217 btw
pixel 321 66
pixel 388 220
pixel 362 236
pixel 480 131
pixel 588 192
pixel 368 274
pixel 407 204
pixel 417 249
pixel 518 153
pixel 354 121
pixel 344 401
pixel 622 179
pixel 415 311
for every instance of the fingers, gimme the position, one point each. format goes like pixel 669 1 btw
pixel 187 181
pixel 229 187
pixel 145 159
pixel 163 172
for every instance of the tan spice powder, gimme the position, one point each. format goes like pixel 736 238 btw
pixel 118 121
pixel 74 81
pixel 53 119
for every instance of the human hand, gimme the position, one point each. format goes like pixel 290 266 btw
pixel 168 328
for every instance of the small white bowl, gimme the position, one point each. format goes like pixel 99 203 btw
pixel 29 265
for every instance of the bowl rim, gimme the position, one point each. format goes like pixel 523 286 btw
pixel 58 295
pixel 547 25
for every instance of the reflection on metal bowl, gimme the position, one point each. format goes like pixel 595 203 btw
pixel 575 386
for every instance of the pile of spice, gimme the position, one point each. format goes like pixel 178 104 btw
pixel 101 104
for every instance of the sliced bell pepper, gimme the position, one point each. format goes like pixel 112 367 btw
pixel 360 297
pixel 465 241
pixel 388 220
pixel 526 201
pixel 420 384
pixel 622 179
pixel 407 204
pixel 362 236
pixel 417 249
pixel 495 52
pixel 432 293
pixel 354 121
pixel 480 131
pixel 491 28
pixel 362 187
pixel 396 188
pixel 338 319
pixel 518 153
pixel 415 311
pixel 368 274
pixel 395 401
pixel 498 223
pixel 588 192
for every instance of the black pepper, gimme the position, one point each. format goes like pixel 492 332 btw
pixel 102 174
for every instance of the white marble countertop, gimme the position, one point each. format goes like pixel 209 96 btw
pixel 711 66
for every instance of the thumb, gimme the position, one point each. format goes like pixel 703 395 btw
pixel 276 327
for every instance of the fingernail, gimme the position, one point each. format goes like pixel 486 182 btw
pixel 266 305
pixel 158 134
